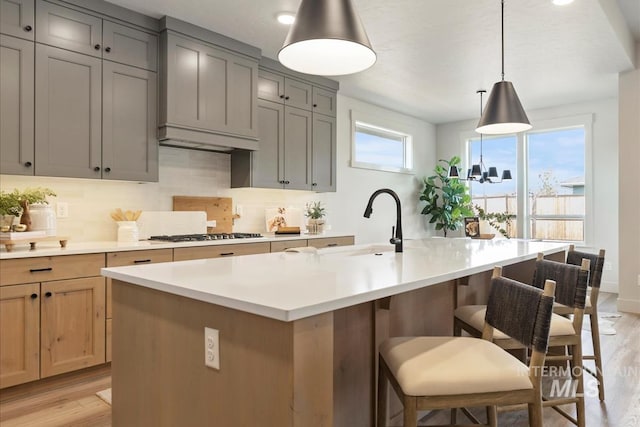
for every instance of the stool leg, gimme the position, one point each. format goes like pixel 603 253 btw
pixel 595 338
pixel 576 351
pixel 492 416
pixel 535 413
pixel 454 415
pixel 382 396
pixel 457 328
pixel 410 412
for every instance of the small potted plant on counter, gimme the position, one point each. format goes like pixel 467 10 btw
pixel 316 213
pixel 447 199
pixel 18 203
pixel 9 209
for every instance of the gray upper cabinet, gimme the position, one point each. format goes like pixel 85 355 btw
pixel 297 148
pixel 284 157
pixel 129 46
pixel 278 88
pixel 324 153
pixel 129 145
pixel 17 18
pixel 324 101
pixel 68 113
pixel 210 95
pixel 69 29
pixel 16 106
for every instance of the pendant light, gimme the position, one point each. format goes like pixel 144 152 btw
pixel 478 171
pixel 504 112
pixel 327 39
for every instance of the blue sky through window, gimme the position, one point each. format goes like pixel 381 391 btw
pixel 378 150
pixel 499 152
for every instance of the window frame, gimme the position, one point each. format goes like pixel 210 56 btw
pixel 523 220
pixel 383 125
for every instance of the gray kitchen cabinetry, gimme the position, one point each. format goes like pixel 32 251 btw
pixel 16 106
pixel 129 123
pixel 324 148
pixel 278 88
pixel 17 18
pixel 84 33
pixel 68 113
pixel 209 94
pixel 297 148
pixel 284 157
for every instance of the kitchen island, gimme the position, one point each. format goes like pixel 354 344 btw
pixel 298 330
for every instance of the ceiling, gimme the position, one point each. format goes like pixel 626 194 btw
pixel 433 55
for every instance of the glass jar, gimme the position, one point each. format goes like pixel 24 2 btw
pixel 43 218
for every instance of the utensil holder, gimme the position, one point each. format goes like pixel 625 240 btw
pixel 128 231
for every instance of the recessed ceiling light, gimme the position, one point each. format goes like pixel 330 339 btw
pixel 561 2
pixel 286 18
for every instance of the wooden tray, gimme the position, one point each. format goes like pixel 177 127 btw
pixel 9 244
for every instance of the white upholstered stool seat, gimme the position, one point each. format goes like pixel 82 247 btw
pixel 473 315
pixel 438 366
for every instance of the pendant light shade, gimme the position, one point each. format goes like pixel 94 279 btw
pixel 503 112
pixel 327 39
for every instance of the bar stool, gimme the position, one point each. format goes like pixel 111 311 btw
pixel 591 308
pixel 571 287
pixel 451 372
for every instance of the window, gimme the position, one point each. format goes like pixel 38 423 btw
pixel 379 147
pixel 556 178
pixel 499 152
pixel 550 190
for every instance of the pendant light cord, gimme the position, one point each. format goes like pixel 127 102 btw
pixel 502 19
pixel 481 162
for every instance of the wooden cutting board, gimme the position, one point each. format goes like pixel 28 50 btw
pixel 217 208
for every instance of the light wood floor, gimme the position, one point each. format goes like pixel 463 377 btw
pixel 72 401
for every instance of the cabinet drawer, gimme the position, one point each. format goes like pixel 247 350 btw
pixel 183 254
pixel 282 246
pixel 44 269
pixel 119 259
pixel 328 242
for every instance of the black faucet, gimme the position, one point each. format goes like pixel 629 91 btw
pixel 396 232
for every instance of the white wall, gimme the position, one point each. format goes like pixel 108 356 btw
pixel 197 173
pixel 629 175
pixel 605 163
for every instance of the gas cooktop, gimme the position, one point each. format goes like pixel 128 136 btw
pixel 203 237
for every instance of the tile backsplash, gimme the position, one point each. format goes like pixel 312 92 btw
pixel 182 172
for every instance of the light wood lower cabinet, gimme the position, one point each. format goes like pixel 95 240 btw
pixel 72 325
pixel 218 251
pixel 287 244
pixel 20 333
pixel 328 242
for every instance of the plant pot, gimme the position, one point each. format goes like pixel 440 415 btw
pixel 315 226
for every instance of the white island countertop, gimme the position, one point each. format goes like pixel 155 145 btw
pixel 288 286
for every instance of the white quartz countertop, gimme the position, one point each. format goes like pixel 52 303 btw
pixel 289 286
pixel 53 248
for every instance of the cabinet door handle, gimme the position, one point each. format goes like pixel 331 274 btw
pixel 97 169
pixel 28 28
pixel 330 245
pixel 315 105
pixel 36 270
pixel 97 47
pixel 34 296
pixel 226 253
pixel 141 261
pixel 48 294
pixel 107 49
pixel 107 170
pixel 287 182
pixel 28 164
pixel 314 184
pixel 281 96
pixel 286 97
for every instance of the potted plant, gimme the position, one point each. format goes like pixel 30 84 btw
pixel 447 199
pixel 17 203
pixel 316 213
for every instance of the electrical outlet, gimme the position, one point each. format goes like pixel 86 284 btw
pixel 62 210
pixel 212 348
pixel 607 266
pixel 239 210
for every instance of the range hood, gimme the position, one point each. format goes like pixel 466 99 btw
pixel 208 89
